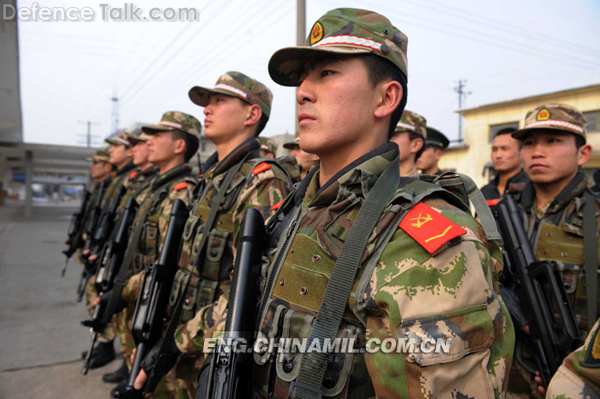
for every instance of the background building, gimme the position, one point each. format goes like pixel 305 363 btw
pixel 482 123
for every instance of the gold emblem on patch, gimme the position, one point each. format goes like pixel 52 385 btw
pixel 543 115
pixel 596 347
pixel 316 33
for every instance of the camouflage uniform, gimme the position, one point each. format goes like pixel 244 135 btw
pixel 401 289
pixel 412 122
pixel 259 183
pixel 555 232
pixel 579 375
pixel 268 145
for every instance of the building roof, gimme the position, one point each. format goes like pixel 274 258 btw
pixel 530 98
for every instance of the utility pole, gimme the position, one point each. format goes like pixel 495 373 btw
pixel 115 115
pixel 88 135
pixel 462 94
pixel 300 36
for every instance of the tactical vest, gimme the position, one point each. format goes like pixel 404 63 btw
pixel 300 284
pixel 148 242
pixel 218 260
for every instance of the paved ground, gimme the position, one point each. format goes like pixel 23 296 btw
pixel 41 338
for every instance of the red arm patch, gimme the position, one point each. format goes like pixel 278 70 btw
pixel 180 186
pixel 134 174
pixel 429 228
pixel 261 167
pixel 493 202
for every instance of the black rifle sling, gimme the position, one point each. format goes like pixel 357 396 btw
pixel 590 245
pixel 176 313
pixel 313 365
pixel 121 277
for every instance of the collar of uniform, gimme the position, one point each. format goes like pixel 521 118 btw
pixel 126 169
pixel 573 189
pixel 172 174
pixel 355 179
pixel 149 171
pixel 250 146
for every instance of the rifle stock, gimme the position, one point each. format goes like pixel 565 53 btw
pixel 554 332
pixel 74 231
pixel 230 372
pixel 151 306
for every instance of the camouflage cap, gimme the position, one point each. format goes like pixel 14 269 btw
pixel 342 31
pixel 268 145
pixel 293 144
pixel 101 155
pixel 559 117
pixel 412 122
pixel 435 138
pixel 174 120
pixel 119 139
pixel 236 84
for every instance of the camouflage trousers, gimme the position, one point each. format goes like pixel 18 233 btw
pixel 186 372
pixel 123 322
pixel 521 383
pixel 108 334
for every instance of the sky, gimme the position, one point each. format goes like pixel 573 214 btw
pixel 70 71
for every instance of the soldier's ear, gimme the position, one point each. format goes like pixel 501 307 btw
pixel 253 114
pixel 583 154
pixel 179 147
pixel 389 96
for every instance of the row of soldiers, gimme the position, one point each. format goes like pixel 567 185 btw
pixel 358 246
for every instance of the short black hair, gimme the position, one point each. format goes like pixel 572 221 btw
pixel 380 70
pixel 579 141
pixel 506 130
pixel 413 136
pixel 191 143
pixel 261 124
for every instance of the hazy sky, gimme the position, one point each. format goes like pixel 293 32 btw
pixel 504 49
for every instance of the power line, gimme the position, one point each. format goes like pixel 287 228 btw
pixel 462 94
pixel 89 135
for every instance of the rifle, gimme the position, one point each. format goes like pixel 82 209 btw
pixel 230 373
pixel 112 256
pixel 554 332
pixel 90 230
pixel 151 306
pixel 107 222
pixel 74 240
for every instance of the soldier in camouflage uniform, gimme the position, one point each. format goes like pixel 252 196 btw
pixel 439 282
pixel 268 148
pixel 172 143
pixel 410 135
pixel 553 205
pixel 434 147
pixel 257 183
pixel 579 375
pixel 305 160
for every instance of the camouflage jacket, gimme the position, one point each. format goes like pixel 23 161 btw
pixel 121 177
pixel 558 236
pixel 176 183
pixel 260 183
pixel 402 291
pixel 579 375
pixel 95 192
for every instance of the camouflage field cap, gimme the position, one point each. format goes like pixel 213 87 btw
pixel 435 138
pixel 560 117
pixel 268 145
pixel 236 84
pixel 342 31
pixel 133 134
pixel 100 156
pixel 412 122
pixel 174 120
pixel 119 139
pixel 293 144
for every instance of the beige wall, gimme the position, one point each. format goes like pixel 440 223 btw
pixel 471 158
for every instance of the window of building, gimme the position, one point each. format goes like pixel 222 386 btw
pixel 593 121
pixel 496 128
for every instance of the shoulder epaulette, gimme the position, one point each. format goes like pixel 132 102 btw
pixel 180 186
pixel 261 167
pixel 277 205
pixel 429 228
pixel 134 174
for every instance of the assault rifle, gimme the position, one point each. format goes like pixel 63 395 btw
pixel 90 231
pixel 74 232
pixel 151 306
pixel 554 332
pixel 230 370
pixel 112 256
pixel 107 223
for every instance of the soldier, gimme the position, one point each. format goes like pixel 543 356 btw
pixel 268 149
pixel 236 111
pixel 410 135
pixel 579 375
pixel 305 160
pixel 507 164
pixel 434 147
pixel 554 204
pixel 171 145
pixel 119 157
pixel 438 281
